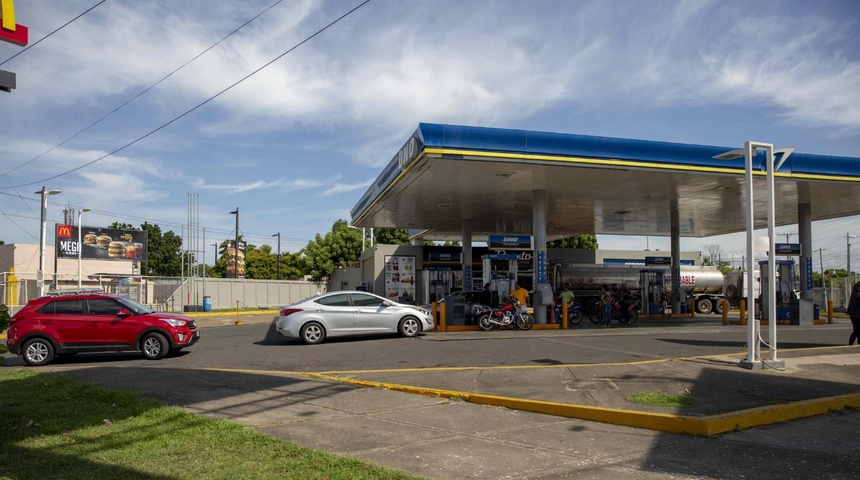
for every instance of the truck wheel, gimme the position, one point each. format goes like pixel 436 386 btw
pixel 704 305
pixel 718 306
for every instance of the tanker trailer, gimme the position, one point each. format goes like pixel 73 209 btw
pixel 704 284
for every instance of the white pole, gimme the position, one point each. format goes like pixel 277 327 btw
pixel 771 255
pixel 752 329
pixel 80 244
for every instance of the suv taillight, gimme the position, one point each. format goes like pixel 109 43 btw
pixel 289 311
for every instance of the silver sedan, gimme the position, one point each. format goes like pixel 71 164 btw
pixel 342 313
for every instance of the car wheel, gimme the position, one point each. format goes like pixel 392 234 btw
pixel 312 333
pixel 154 346
pixel 38 351
pixel 409 327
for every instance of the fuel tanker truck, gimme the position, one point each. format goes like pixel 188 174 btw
pixel 706 285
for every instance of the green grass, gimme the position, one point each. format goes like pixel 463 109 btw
pixel 662 399
pixel 55 428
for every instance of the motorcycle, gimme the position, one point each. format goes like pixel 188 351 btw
pixel 632 312
pixel 575 312
pixel 509 314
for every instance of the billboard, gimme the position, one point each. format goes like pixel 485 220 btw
pixel 235 258
pixel 101 243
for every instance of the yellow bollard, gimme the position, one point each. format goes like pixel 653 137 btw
pixel 11 288
pixel 564 315
pixel 441 319
pixel 725 310
pixel 238 321
pixel 830 311
pixel 691 307
pixel 434 313
pixel 743 308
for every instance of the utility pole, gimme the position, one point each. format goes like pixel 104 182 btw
pixel 787 238
pixel 236 245
pixel 279 253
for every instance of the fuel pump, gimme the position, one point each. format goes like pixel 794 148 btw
pixel 439 283
pixel 786 289
pixel 500 271
pixel 651 285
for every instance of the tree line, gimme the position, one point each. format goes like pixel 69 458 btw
pixel 338 248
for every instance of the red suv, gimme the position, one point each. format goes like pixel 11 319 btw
pixel 67 322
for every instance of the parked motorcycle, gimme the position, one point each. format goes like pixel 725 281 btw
pixel 575 312
pixel 509 314
pixel 632 312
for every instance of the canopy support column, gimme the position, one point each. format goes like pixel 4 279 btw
pixel 539 229
pixel 675 232
pixel 467 253
pixel 804 231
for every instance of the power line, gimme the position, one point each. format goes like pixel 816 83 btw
pixel 55 31
pixel 147 89
pixel 175 119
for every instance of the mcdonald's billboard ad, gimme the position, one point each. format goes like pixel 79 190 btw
pixel 101 243
pixel 9 30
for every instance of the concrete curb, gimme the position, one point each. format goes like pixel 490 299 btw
pixel 680 424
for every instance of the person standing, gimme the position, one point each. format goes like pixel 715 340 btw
pixel 606 301
pixel 487 295
pixel 521 294
pixel 854 313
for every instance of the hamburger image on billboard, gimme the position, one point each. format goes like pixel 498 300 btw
pixel 235 259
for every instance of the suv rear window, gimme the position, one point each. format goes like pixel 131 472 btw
pixel 69 307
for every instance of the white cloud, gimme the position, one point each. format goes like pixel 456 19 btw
pixel 339 188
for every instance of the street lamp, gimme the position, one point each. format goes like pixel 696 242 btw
pixel 80 245
pixel 753 361
pixel 40 275
pixel 236 245
pixel 279 253
pixel 363 236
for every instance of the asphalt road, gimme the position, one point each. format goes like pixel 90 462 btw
pixel 260 347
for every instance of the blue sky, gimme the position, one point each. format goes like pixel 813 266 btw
pixel 296 145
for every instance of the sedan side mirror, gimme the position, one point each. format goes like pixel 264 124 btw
pixel 123 313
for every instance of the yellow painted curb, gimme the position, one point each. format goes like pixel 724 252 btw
pixel 680 424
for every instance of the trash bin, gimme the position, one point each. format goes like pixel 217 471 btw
pixel 207 304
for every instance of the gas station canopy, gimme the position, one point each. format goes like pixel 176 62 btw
pixel 447 174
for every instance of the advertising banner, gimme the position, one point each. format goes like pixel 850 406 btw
pixel 101 243
pixel 235 258
pixel 400 278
